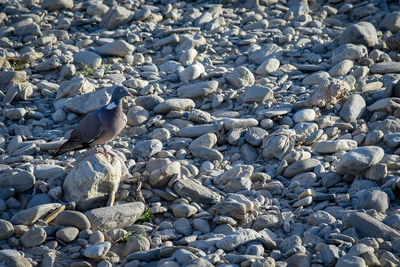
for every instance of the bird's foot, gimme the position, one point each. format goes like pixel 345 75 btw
pixel 106 152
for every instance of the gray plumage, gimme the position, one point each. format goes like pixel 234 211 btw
pixel 98 127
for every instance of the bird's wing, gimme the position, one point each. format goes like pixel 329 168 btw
pixel 88 130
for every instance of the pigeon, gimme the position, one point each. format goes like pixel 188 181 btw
pixel 98 127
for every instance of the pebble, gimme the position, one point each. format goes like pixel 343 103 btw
pixel 97 251
pixel 67 234
pixel 359 159
pixel 33 237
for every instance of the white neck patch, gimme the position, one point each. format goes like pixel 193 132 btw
pixel 111 105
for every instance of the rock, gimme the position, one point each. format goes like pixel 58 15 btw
pixel 97 251
pixel 328 147
pixel 67 234
pixel 84 104
pixel 57 4
pixel 115 17
pixel 6 229
pixel 201 225
pixel 147 148
pixel 194 190
pixel 33 237
pixel 118 48
pixel 197 90
pixel 174 104
pixel 278 144
pixel 348 51
pixel 184 211
pixel 18 179
pixel 10 257
pixel 316 78
pixel 31 215
pixel 352 108
pixel 268 66
pixel 230 208
pixel 78 85
pixel 391 22
pixel 359 159
pixel 320 217
pixel 240 77
pixel 14 113
pixel 342 68
pixel 87 58
pixel 117 216
pixel 161 176
pixel 258 93
pixel 192 72
pixel 351 261
pixel 48 171
pixel 73 218
pixel 369 226
pixel 97 9
pixel 330 91
pixel 137 116
pixel 304 115
pixel 372 199
pixel 93 180
pixel 359 33
pixel 239 123
pixel 300 166
pixel 386 67
pixel 13 77
pixel 240 237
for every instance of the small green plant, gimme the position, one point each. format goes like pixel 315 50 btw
pixel 145 216
pixel 125 238
pixel 87 70
pixel 17 65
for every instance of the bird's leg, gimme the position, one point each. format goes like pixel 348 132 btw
pixel 99 151
pixel 106 152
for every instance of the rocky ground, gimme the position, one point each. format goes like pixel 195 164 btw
pixel 261 133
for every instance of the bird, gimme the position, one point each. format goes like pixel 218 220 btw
pixel 98 127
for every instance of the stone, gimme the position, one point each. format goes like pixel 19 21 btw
pixel 121 216
pixel 86 103
pixel 386 67
pixel 87 58
pixel 57 4
pixel 320 217
pixel 18 179
pixel 197 90
pixel 351 261
pixel 78 85
pixel 6 229
pixel 391 22
pixel 115 17
pixel 174 104
pixel 300 166
pixel 349 51
pixel 372 199
pixel 183 210
pixel 359 159
pixel 97 9
pixel 31 215
pixel 315 78
pixel 161 176
pixel 268 66
pixel 359 33
pixel 48 171
pixel 97 251
pixel 93 180
pixel 73 218
pixel 304 115
pixel 137 116
pixel 147 148
pixel 369 226
pixel 342 68
pixel 329 147
pixel 192 72
pixel 232 241
pixel 258 93
pixel 353 108
pixel 11 257
pixel 330 91
pixel 33 237
pixel 67 234
pixel 240 77
pixel 196 191
pixel 118 48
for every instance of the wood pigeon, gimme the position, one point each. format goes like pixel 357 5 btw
pixel 98 127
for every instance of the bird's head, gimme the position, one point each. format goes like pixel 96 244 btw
pixel 119 92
